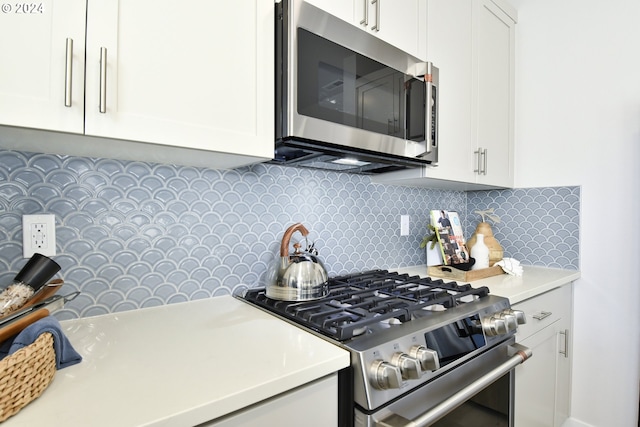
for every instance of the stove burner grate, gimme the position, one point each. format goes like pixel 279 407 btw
pixel 356 301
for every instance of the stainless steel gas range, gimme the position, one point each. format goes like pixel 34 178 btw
pixel 423 351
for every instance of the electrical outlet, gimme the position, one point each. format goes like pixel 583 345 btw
pixel 38 235
pixel 404 225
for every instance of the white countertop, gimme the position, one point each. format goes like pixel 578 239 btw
pixel 187 363
pixel 534 281
pixel 178 365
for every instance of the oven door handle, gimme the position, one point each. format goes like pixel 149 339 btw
pixel 518 355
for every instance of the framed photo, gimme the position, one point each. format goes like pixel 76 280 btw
pixel 450 236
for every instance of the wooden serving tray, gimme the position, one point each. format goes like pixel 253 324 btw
pixel 449 272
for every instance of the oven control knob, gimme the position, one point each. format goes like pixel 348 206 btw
pixel 409 366
pixel 428 358
pixel 510 320
pixel 521 318
pixel 493 326
pixel 385 375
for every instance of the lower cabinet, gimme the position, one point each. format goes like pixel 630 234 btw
pixel 543 383
pixel 311 405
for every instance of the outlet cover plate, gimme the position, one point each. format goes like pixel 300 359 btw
pixel 38 235
pixel 404 225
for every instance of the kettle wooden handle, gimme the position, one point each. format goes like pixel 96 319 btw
pixel 286 238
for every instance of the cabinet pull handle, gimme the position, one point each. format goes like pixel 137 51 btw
pixel 376 27
pixel 103 80
pixel 478 169
pixel 68 73
pixel 484 162
pixel 365 19
pixel 565 352
pixel 542 315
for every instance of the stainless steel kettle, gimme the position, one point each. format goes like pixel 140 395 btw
pixel 299 276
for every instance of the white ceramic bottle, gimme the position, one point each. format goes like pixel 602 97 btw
pixel 480 252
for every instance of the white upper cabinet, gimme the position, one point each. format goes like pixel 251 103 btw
pixel 494 54
pixel 187 83
pixel 401 23
pixel 187 74
pixel 450 36
pixel 343 9
pixel 472 42
pixel 42 71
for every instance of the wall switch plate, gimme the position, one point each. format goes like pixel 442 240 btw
pixel 404 225
pixel 38 235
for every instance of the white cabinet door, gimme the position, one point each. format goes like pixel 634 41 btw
pixel 535 392
pixel 449 48
pixel 41 79
pixel 494 53
pixel 472 42
pixel 398 22
pixel 343 9
pixel 189 74
pixel 543 383
pixel 401 23
pixel 563 372
pixel 311 405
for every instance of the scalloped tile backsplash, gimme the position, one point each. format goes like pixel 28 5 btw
pixel 135 234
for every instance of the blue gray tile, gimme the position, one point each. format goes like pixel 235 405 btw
pixel 136 234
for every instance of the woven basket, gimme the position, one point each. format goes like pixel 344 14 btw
pixel 26 374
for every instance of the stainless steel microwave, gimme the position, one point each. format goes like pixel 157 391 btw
pixel 347 100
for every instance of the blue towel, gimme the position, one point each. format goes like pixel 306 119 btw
pixel 66 355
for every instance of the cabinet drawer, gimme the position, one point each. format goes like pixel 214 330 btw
pixel 543 310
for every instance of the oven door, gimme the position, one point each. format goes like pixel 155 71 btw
pixel 479 392
pixel 342 86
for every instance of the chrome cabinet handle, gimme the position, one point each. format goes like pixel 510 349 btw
pixel 103 80
pixel 68 73
pixel 542 315
pixel 481 161
pixel 478 167
pixel 365 19
pixel 484 162
pixel 565 352
pixel 376 27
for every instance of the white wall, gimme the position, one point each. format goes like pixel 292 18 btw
pixel 578 123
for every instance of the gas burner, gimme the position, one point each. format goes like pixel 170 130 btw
pixel 391 322
pixel 359 331
pixel 434 307
pixel 357 301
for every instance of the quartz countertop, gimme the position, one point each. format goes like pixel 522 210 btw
pixel 187 363
pixel 534 281
pixel 178 365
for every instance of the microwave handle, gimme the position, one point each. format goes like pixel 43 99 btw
pixel 431 100
pixel 425 71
